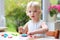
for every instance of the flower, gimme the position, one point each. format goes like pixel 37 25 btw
pixel 58 8
pixel 53 10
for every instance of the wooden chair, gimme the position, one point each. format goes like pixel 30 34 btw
pixel 53 33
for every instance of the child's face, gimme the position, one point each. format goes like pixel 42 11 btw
pixel 33 12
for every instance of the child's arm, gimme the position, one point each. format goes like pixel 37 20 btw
pixel 23 29
pixel 41 30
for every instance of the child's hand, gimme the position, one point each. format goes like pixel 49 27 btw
pixel 30 33
pixel 20 29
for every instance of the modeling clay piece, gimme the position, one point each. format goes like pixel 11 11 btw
pixel 5 35
pixel 30 35
pixel 2 35
pixel 24 35
pixel 14 34
pixel 10 37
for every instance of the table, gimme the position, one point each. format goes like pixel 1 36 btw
pixel 16 36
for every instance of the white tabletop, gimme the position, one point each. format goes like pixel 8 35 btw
pixel 22 38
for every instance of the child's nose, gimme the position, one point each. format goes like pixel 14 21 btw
pixel 32 13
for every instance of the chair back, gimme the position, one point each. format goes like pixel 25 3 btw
pixel 53 33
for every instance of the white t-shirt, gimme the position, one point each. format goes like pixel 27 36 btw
pixel 34 26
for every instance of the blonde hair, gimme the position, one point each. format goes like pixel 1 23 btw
pixel 33 4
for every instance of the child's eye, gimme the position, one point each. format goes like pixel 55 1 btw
pixel 29 11
pixel 35 11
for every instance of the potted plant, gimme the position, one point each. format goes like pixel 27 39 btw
pixel 53 10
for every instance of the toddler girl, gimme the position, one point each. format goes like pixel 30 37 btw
pixel 35 26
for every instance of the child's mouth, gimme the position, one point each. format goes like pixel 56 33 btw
pixel 32 16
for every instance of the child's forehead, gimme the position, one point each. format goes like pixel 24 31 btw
pixel 33 8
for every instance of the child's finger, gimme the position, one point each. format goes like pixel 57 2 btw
pixel 29 33
pixel 20 30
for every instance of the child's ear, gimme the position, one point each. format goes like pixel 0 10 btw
pixel 40 11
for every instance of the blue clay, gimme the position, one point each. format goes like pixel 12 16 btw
pixel 24 35
pixel 5 35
